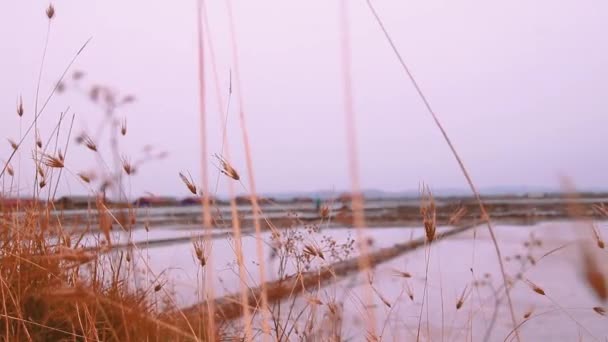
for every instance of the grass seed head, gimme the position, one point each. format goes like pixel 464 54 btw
pixel 598 238
pixel 227 169
pixel 428 212
pixel 189 183
pixel 401 274
pixel 13 144
pixel 105 220
pixel 462 298
pixel 38 139
pixel 50 11
pixel 9 170
pixel 127 166
pixel 127 99
pixel 409 290
pixel 86 177
pixel 535 288
pixel 457 215
pixel 313 251
pixel 77 75
pixel 199 252
pixel 87 141
pixel 51 161
pixel 41 172
pixel 123 127
pixel 20 107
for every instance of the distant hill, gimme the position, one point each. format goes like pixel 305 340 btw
pixel 446 192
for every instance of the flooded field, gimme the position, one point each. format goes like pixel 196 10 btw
pixel 451 290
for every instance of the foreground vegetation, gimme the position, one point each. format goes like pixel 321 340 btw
pixel 67 280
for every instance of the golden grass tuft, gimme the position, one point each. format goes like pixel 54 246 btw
pixel 59 291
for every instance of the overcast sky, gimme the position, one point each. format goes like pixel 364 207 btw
pixel 521 87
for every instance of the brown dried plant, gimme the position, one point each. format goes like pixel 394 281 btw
pixel 313 251
pixel 398 273
pixel 86 177
pixel 598 237
pixel 50 11
pixel 51 161
pixel 123 127
pixel 600 310
pixel 38 139
pixel 85 139
pixel 9 170
pixel 462 298
pixel 535 287
pixel 457 215
pixel 188 182
pixel 594 276
pixel 20 106
pixel 13 144
pixel 226 168
pixel 127 166
pixel 428 213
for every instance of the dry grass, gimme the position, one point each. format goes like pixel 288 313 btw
pixel 62 281
pixel 59 291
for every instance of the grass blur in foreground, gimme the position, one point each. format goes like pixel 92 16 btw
pixel 66 280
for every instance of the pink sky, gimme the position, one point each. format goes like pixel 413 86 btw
pixel 520 86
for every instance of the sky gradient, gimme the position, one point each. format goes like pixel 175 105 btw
pixel 520 87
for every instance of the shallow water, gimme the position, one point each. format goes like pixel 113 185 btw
pixel 564 314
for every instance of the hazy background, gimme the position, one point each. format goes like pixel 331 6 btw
pixel 520 86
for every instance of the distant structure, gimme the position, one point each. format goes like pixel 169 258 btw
pixel 194 200
pixel 156 201
pixel 247 200
pixel 301 199
pixel 75 202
